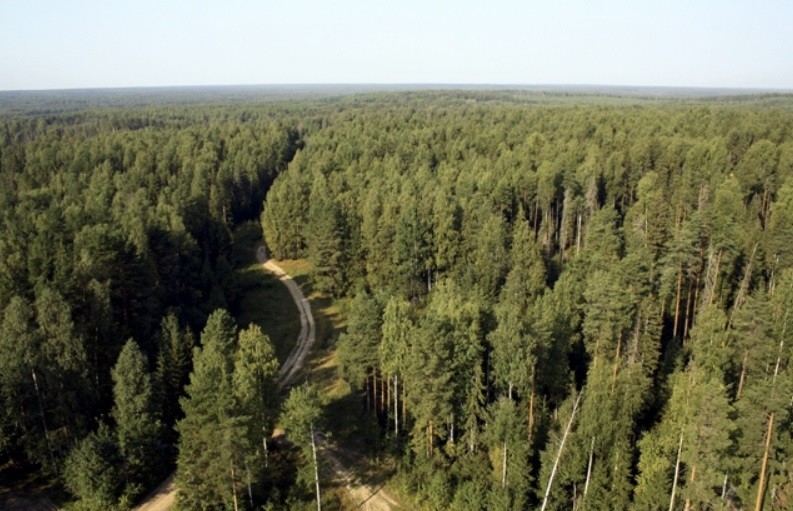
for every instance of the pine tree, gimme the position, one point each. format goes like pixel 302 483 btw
pixel 302 419
pixel 255 372
pixel 326 240
pixel 138 427
pixel 213 438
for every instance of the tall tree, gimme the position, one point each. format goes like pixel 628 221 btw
pixel 138 426
pixel 213 438
pixel 302 418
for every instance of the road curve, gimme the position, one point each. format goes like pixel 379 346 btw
pixel 364 496
pixel 164 497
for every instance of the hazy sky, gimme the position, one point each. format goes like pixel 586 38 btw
pixel 48 44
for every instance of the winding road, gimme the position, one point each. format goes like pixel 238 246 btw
pixel 365 497
pixel 164 496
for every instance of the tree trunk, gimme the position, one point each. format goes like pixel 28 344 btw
pixel 404 405
pixel 687 506
pixel 559 453
pixel 742 379
pixel 740 297
pixel 429 438
pixel 589 466
pixel 689 305
pixel 504 467
pixel 375 407
pixel 724 488
pixel 234 487
pixel 677 300
pixel 388 397
pixel 758 505
pixel 396 405
pixel 44 422
pixel 532 396
pixel 316 468
pixel 677 473
pixel 383 409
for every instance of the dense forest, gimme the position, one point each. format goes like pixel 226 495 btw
pixel 115 248
pixel 561 307
pixel 552 303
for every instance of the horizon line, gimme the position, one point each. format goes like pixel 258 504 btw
pixel 403 85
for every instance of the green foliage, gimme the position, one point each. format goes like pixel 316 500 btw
pixel 515 248
pixel 93 471
pixel 138 428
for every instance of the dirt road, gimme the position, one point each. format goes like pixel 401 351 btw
pixel 363 496
pixel 164 496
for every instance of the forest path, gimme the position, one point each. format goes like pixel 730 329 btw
pixel 364 496
pixel 307 335
pixel 164 496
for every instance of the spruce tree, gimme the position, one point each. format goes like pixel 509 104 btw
pixel 135 412
pixel 213 438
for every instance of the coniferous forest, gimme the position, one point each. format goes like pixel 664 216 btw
pixel 552 301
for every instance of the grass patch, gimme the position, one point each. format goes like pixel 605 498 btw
pixel 263 299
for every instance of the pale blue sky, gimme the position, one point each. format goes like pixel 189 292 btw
pixel 48 44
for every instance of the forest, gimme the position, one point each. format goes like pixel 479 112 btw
pixel 552 301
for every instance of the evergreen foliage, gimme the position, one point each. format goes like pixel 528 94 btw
pixel 521 269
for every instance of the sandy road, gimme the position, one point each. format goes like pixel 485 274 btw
pixel 305 340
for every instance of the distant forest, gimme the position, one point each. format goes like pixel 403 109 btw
pixel 554 301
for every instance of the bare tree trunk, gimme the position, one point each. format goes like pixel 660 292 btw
pixel 742 379
pixel 689 305
pixel 615 369
pixel 504 467
pixel 758 505
pixel 375 406
pixel 316 468
pixel 383 407
pixel 741 296
pixel 693 478
pixel 559 453
pixel 695 305
pixel 677 300
pixel 677 473
pixel 387 402
pixel 404 405
pixel 44 421
pixel 264 445
pixel 589 466
pixel 396 405
pixel 234 487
